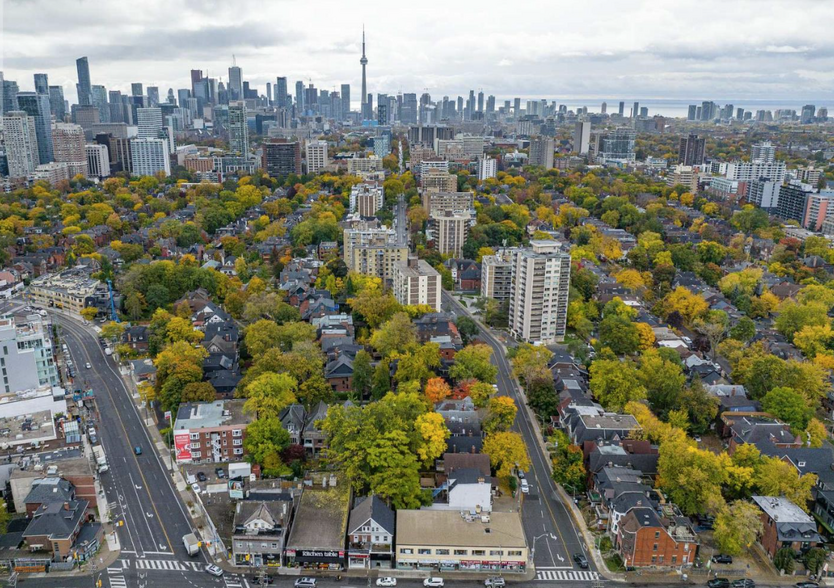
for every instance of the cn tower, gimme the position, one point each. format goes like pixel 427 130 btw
pixel 364 62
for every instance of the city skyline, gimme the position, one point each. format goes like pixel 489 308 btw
pixel 590 53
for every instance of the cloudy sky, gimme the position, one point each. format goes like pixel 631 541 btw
pixel 766 50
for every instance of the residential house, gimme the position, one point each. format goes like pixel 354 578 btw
pixel 371 534
pixel 339 373
pixel 136 337
pixel 785 525
pixel 313 438
pixel 55 527
pixel 647 538
pixel 261 529
pixel 292 420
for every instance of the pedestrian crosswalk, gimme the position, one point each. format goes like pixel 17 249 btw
pixel 116 579
pixel 168 565
pixel 566 575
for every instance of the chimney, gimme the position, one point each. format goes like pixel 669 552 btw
pixel 66 506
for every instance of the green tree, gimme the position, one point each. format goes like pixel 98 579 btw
pixel 198 392
pixel 396 335
pixel 264 442
pixel 784 560
pixel 788 406
pixel 619 334
pixel 692 477
pixel 568 464
pixel 381 384
pixel 615 383
pixel 744 330
pixel 362 373
pixel 700 405
pixel 663 380
pixel 269 394
pixel 530 363
pixel 260 336
pixel 467 328
pixel 473 362
pixel 418 365
pixel 736 526
pixel 501 412
pixel 793 317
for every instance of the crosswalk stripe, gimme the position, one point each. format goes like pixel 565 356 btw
pixel 116 580
pixel 566 575
pixel 160 564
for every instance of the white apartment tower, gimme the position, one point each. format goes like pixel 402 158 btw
pixel 238 129
pixel 416 282
pixel 26 355
pixel 21 143
pixel 149 123
pixel 582 137
pixel 98 161
pixel 150 156
pixel 539 299
pixel 68 147
pixel 487 168
pixel 316 156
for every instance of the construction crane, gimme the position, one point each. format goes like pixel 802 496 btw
pixel 113 315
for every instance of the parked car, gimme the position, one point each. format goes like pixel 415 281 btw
pixel 525 486
pixel 386 581
pixel 196 487
pixel 721 558
pixel 807 585
pixel 305 583
pixel 744 583
pixel 495 582
pixel 581 561
pixel 87 365
pixel 433 583
pixel 137 450
pixel 220 473
pixel 719 583
pixel 262 580
pixel 201 477
pixel 214 570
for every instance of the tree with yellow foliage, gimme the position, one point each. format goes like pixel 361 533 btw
pixel 433 433
pixel 681 300
pixel 506 451
pixel 646 334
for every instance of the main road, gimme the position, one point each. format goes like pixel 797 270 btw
pixel 551 532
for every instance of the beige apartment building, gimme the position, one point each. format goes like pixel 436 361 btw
pixel 358 165
pixel 416 282
pixel 497 275
pixel 539 299
pixel 448 201
pixel 373 251
pixel 446 540
pixel 449 231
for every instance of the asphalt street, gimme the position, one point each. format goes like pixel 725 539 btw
pixel 549 526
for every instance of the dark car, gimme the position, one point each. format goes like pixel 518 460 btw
pixel 722 559
pixel 263 580
pixel 220 473
pixel 719 583
pixel 807 585
pixel 137 450
pixel 744 583
pixel 581 561
pixel 201 477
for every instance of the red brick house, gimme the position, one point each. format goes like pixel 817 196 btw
pixel 645 538
pixel 786 525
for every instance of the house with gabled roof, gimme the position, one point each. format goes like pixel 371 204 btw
pixel 371 534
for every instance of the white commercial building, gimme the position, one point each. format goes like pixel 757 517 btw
pixel 356 165
pixel 316 156
pixel 98 161
pixel 416 282
pixel 764 193
pixel 539 300
pixel 150 156
pixel 149 122
pixel 26 361
pixel 21 143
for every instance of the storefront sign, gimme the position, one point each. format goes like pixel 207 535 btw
pixel 182 445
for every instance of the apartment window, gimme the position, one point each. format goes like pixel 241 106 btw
pixel 514 552
pixel 441 552
pixel 237 433
pixel 657 534
pixel 424 552
pixel 195 446
pixel 195 436
pixel 461 552
pixel 654 548
pixel 674 559
pixel 496 552
pixel 406 551
pixel 238 451
pixel 654 559
pixel 478 552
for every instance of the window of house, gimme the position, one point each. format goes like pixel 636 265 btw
pixel 238 451
pixel 674 559
pixel 478 552
pixel 654 548
pixel 512 552
pixel 657 534
pixel 441 552
pixel 406 551
pixel 424 552
pixel 654 559
pixel 496 552
pixel 461 552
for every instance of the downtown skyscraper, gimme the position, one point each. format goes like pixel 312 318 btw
pixel 84 88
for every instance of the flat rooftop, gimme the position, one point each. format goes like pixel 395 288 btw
pixel 321 518
pixel 209 415
pixel 448 528
pixel 782 510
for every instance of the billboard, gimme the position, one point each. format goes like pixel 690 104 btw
pixel 182 445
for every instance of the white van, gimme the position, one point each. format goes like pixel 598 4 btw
pixel 525 486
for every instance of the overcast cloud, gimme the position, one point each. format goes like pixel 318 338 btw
pixel 676 49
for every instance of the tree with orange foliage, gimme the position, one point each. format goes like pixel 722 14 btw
pixel 437 390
